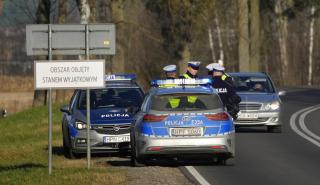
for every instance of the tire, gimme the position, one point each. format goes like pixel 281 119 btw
pixel 275 129
pixel 68 153
pixel 231 161
pixel 226 161
pixel 136 161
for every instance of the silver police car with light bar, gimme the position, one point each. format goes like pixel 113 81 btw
pixel 182 118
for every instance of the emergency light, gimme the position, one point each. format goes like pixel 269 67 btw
pixel 120 77
pixel 181 82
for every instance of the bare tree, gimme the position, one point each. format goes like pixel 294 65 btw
pixel 43 17
pixel 118 61
pixel 63 12
pixel 255 40
pixel 282 22
pixel 311 40
pixel 244 57
pixel 211 44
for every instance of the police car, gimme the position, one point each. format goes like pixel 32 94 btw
pixel 182 118
pixel 260 103
pixel 112 111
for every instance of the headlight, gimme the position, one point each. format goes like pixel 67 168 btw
pixel 80 125
pixel 272 106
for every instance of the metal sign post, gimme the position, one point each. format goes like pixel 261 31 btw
pixel 72 39
pixel 88 104
pixel 50 105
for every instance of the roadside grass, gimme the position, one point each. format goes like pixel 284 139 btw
pixel 24 153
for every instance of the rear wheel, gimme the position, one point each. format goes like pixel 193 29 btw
pixel 136 161
pixel 275 129
pixel 226 161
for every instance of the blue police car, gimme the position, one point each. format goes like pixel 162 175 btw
pixel 112 111
pixel 182 118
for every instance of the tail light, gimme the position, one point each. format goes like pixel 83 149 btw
pixel 217 147
pixel 153 118
pixel 157 148
pixel 218 117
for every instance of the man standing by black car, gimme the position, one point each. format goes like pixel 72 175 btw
pixel 224 86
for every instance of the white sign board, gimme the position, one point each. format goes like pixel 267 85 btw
pixel 69 74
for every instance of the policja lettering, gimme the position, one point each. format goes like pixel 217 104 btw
pixel 222 90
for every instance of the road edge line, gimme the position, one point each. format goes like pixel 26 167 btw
pixel 196 175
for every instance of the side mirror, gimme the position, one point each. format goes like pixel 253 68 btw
pixel 65 109
pixel 282 93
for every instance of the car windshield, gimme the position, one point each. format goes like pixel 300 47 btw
pixel 252 84
pixel 111 98
pixel 185 102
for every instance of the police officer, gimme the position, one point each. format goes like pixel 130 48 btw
pixel 224 76
pixel 192 70
pixel 171 71
pixel 225 89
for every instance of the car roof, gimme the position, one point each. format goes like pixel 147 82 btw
pixel 175 90
pixel 251 74
pixel 122 84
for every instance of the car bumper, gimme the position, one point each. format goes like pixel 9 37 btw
pixel 96 142
pixel 186 146
pixel 263 118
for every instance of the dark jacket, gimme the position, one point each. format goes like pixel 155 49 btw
pixel 227 94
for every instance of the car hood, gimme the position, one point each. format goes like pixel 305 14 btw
pixel 106 116
pixel 258 97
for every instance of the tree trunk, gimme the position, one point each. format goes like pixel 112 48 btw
pixel 213 54
pixel 282 39
pixel 255 46
pixel 244 57
pixel 221 54
pixel 61 94
pixel 311 36
pixel 1 5
pixel 105 15
pixel 43 17
pixel 118 63
pixel 93 11
pixel 84 10
pixel 185 57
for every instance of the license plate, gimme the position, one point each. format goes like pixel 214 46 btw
pixel 248 116
pixel 193 131
pixel 116 139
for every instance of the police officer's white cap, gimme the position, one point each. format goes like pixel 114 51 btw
pixel 210 66
pixel 170 68
pixel 194 63
pixel 217 67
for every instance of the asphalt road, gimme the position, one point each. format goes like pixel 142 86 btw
pixel 275 158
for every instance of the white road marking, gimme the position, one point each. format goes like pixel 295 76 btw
pixel 307 134
pixel 197 175
pixel 303 125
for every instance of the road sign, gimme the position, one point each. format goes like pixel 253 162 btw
pixel 75 39
pixel 70 39
pixel 69 74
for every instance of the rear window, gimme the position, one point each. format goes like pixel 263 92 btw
pixel 252 84
pixel 110 98
pixel 185 102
